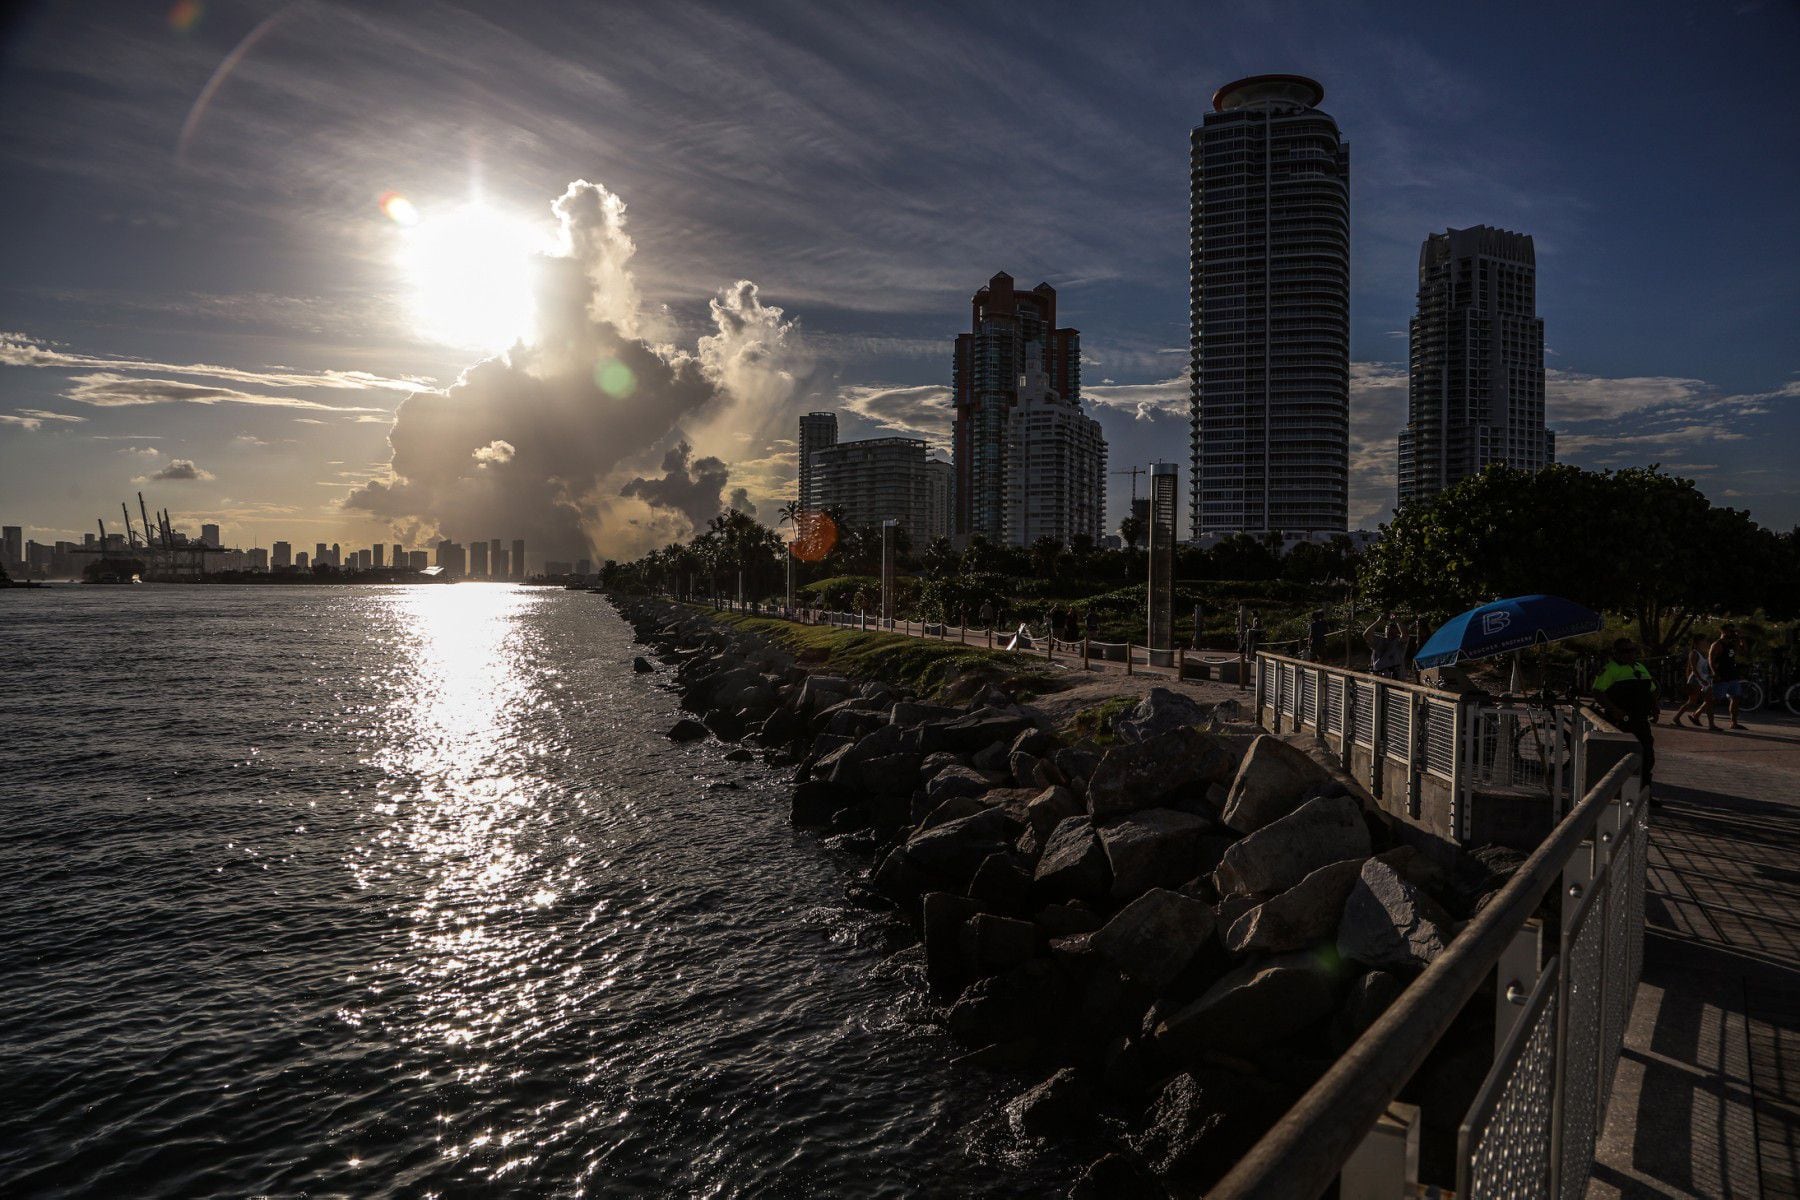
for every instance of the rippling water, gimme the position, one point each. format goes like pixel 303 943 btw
pixel 401 892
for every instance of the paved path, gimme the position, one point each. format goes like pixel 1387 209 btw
pixel 1707 1098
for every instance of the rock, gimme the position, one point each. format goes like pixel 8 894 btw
pixel 1273 780
pixel 899 877
pixel 957 781
pixel 1061 1106
pixel 1156 936
pixel 1283 852
pixel 1160 711
pixel 908 714
pixel 1002 884
pixel 955 849
pixel 852 719
pixel 1023 767
pixel 1137 776
pixel 992 758
pixel 1304 915
pixel 1249 1008
pixel 1153 847
pixel 945 914
pixel 641 665
pixel 1367 999
pixel 1034 742
pixel 953 809
pixel 1481 872
pixel 1076 765
pixel 725 726
pixel 971 733
pixel 685 730
pixel 1013 1055
pixel 1116 1177
pixel 1063 920
pixel 741 754
pixel 1202 1123
pixel 820 692
pixel 1389 922
pixel 1050 808
pixel 992 944
pixel 1032 1001
pixel 1073 865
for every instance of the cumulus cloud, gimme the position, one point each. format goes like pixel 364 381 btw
pixel 693 489
pixel 180 470
pixel 583 406
pixel 496 451
pixel 740 500
pixel 1143 400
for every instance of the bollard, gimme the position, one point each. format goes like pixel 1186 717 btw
pixel 1050 646
pixel 1084 654
pixel 1128 656
pixel 1181 662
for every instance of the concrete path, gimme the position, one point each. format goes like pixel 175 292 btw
pixel 1707 1097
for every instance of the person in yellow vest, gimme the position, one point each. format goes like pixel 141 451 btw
pixel 1627 695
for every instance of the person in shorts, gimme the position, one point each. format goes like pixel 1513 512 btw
pixel 1728 680
pixel 1699 683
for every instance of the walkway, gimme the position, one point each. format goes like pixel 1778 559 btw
pixel 1707 1097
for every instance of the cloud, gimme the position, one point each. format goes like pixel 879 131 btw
pixel 583 406
pixel 1143 400
pixel 693 489
pixel 740 500
pixel 496 451
pixel 923 411
pixel 179 470
pixel 22 350
pixel 107 390
pixel 34 418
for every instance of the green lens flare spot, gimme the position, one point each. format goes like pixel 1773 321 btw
pixel 615 378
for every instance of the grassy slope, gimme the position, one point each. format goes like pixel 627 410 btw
pixel 892 657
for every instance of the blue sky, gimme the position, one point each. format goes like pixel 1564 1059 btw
pixel 216 284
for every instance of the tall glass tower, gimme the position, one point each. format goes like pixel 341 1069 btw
pixel 1269 312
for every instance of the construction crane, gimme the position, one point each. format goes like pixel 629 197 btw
pixel 1134 473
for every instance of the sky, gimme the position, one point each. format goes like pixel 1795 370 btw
pixel 271 263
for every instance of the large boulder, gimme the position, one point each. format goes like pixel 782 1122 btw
pixel 1160 711
pixel 1073 864
pixel 968 734
pixel 1075 764
pixel 1367 999
pixel 820 692
pixel 1282 853
pixel 957 781
pixel 1116 1176
pixel 1050 808
pixel 1155 937
pixel 1389 921
pixel 1061 1106
pixel 1273 780
pixel 1140 774
pixel 1202 1123
pixel 992 944
pixel 686 730
pixel 1252 1007
pixel 955 849
pixel 945 914
pixel 641 665
pixel 909 714
pixel 1153 847
pixel 1304 915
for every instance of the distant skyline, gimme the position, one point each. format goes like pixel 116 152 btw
pixel 239 242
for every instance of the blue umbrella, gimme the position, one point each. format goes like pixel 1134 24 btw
pixel 1505 626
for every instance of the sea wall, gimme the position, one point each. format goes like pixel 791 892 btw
pixel 1166 933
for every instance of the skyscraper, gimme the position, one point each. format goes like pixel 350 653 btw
pixel 284 555
pixel 399 558
pixel 1055 466
pixel 377 556
pixel 940 497
pixel 1012 335
pixel 1475 382
pixel 518 558
pixel 876 480
pixel 817 431
pixel 209 534
pixel 1269 300
pixel 12 538
pixel 478 560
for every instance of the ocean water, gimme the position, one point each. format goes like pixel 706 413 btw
pixel 400 892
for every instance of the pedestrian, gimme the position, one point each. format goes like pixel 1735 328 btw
pixel 987 614
pixel 1253 634
pixel 1090 625
pixel 1315 636
pixel 1627 695
pixel 1699 684
pixel 1387 647
pixel 1727 682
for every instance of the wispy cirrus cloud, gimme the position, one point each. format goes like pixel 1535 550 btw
pixel 921 411
pixel 109 390
pixel 34 418
pixel 23 350
pixel 1143 400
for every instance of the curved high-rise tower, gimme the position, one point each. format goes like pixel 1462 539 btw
pixel 1269 311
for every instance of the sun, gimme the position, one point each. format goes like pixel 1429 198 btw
pixel 469 271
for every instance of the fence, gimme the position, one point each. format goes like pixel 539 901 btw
pixel 1559 1023
pixel 1474 748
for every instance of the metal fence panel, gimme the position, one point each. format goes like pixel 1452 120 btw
pixel 1396 719
pixel 1504 1147
pixel 1365 714
pixel 1440 739
pixel 1578 1060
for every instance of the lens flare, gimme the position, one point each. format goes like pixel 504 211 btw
pixel 817 534
pixel 615 378
pixel 399 209
pixel 471 270
pixel 185 14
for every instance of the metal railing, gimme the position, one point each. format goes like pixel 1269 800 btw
pixel 1559 1023
pixel 1471 744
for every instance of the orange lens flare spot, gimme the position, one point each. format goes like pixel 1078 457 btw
pixel 185 14
pixel 817 535
pixel 399 209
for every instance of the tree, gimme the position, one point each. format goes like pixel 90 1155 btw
pixel 1044 554
pixel 1131 529
pixel 1637 542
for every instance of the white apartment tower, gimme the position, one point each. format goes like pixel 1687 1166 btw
pixel 1055 483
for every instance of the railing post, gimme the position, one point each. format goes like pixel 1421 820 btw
pixel 1321 707
pixel 1348 714
pixel 1415 707
pixel 1256 694
pixel 1050 645
pixel 1386 1164
pixel 1086 649
pixel 1378 739
pixel 1128 656
pixel 1514 976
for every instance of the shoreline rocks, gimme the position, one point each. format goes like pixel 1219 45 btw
pixel 1175 931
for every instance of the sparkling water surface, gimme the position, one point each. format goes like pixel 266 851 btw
pixel 400 891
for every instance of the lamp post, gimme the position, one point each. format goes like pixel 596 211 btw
pixel 887 570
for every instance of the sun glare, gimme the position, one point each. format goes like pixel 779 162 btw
pixel 469 271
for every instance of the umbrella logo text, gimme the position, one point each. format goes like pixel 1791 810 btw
pixel 1495 622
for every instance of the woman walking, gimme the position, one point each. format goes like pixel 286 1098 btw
pixel 1699 685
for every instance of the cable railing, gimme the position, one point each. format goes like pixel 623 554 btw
pixel 1562 997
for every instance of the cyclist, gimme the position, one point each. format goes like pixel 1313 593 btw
pixel 1728 683
pixel 1699 686
pixel 1627 695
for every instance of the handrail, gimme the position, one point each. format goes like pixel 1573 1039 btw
pixel 1307 1148
pixel 1426 689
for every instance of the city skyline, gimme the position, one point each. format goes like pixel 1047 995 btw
pixel 186 309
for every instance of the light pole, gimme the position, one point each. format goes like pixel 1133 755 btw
pixel 887 570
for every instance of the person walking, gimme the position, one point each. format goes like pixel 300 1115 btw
pixel 987 614
pixel 1387 644
pixel 1253 634
pixel 1627 695
pixel 1090 625
pixel 1727 681
pixel 1699 682
pixel 1315 636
